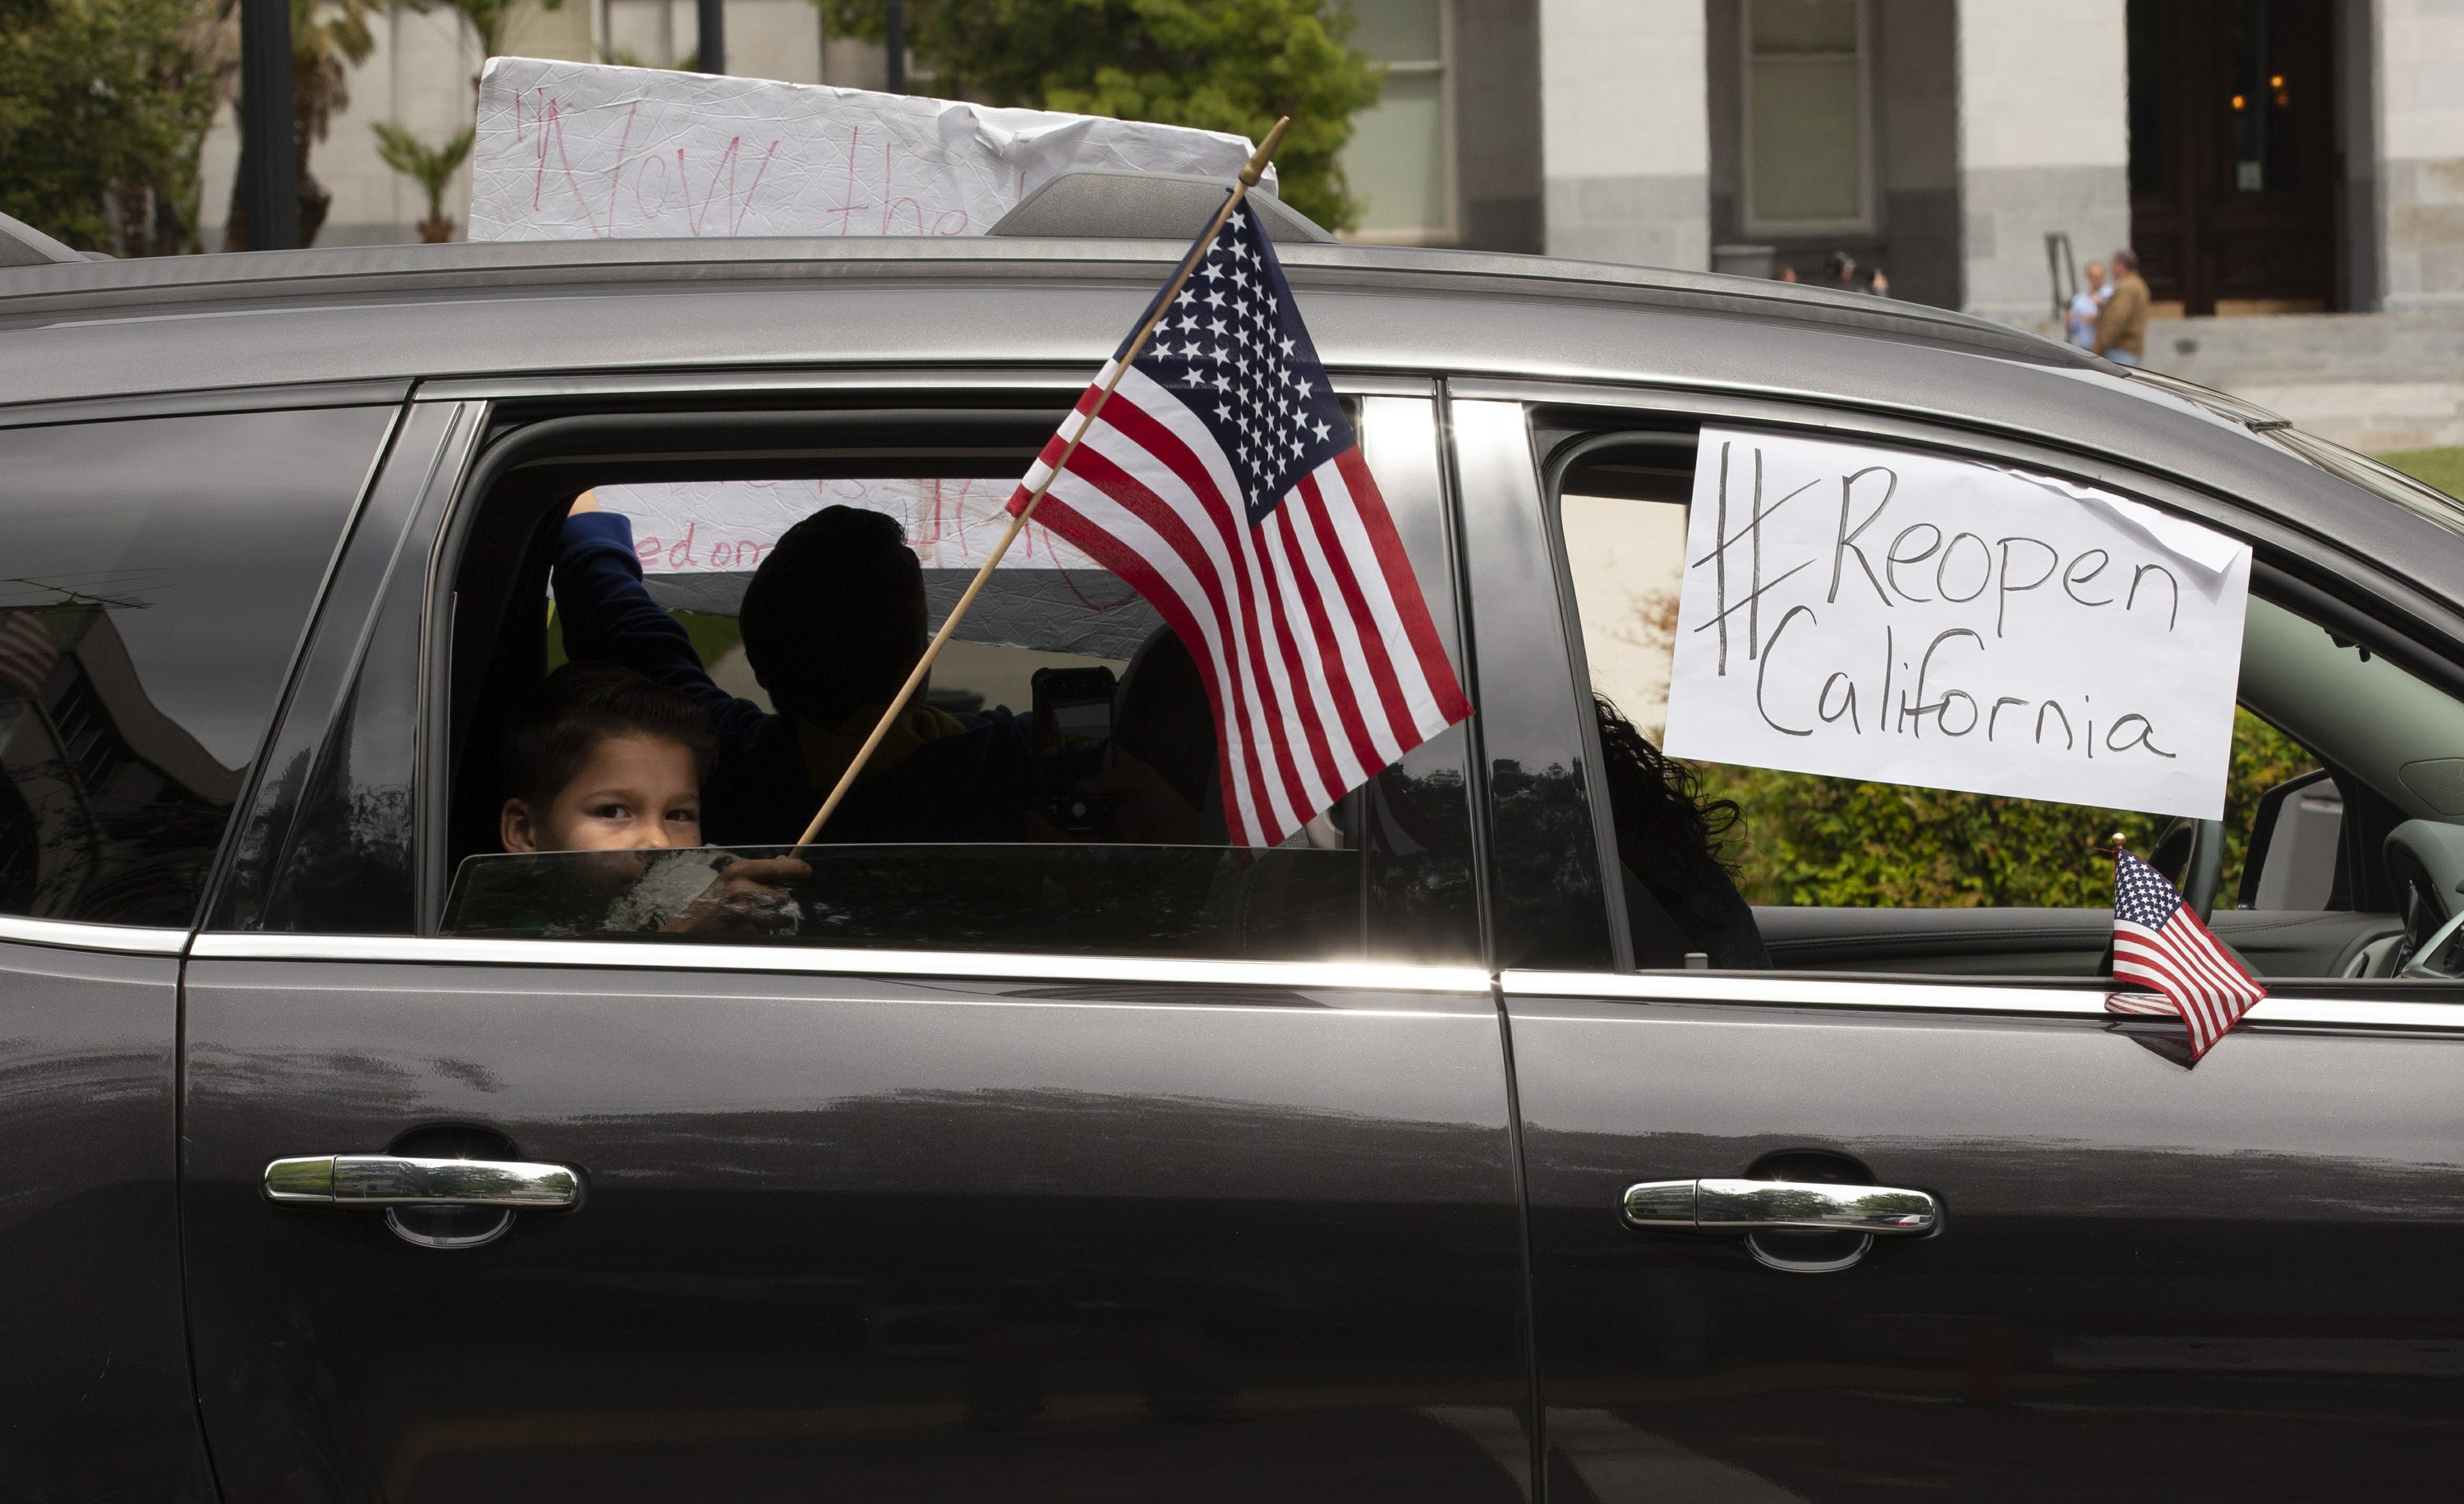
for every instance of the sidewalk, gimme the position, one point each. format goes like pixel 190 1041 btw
pixel 2377 381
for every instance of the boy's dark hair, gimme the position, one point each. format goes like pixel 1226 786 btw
pixel 835 616
pixel 586 704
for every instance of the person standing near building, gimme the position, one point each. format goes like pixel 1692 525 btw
pixel 2086 304
pixel 2121 328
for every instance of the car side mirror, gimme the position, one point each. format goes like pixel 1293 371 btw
pixel 2296 840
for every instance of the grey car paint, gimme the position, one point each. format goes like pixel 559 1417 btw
pixel 923 1238
pixel 2250 1264
pixel 2345 1257
pixel 94 1396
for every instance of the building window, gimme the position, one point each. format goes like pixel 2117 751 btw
pixel 1808 158
pixel 1400 160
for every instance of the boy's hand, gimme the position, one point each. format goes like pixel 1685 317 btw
pixel 587 501
pixel 743 899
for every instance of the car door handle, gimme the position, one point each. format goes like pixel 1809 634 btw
pixel 388 1179
pixel 1771 1205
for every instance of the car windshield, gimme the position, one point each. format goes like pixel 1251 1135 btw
pixel 2416 497
pixel 2381 480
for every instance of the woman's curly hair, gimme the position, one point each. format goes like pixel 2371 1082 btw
pixel 1657 803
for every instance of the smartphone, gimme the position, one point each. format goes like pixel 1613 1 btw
pixel 1073 727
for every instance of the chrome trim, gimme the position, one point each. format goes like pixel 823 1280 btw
pixel 419 1238
pixel 2067 998
pixel 661 956
pixel 1739 1205
pixel 1767 1259
pixel 76 936
pixel 1060 381
pixel 388 1180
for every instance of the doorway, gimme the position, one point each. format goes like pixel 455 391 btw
pixel 2233 153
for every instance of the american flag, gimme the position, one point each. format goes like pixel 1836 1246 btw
pixel 2160 945
pixel 1222 480
pixel 26 649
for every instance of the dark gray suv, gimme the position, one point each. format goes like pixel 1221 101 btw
pixel 1413 1162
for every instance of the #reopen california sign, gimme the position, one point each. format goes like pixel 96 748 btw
pixel 1901 618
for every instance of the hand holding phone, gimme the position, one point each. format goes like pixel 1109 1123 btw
pixel 1073 727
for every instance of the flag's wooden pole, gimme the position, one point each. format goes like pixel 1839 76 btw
pixel 1250 176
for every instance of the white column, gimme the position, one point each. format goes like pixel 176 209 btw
pixel 1625 139
pixel 2421 135
pixel 2044 144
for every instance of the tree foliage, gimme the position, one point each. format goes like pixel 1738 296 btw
pixel 1227 65
pixel 1809 840
pixel 103 106
pixel 431 168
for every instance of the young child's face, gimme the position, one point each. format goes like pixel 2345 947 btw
pixel 635 793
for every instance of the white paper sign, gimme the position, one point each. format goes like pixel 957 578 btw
pixel 726 526
pixel 1899 617
pixel 580 150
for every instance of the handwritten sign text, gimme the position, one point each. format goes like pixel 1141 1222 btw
pixel 1905 618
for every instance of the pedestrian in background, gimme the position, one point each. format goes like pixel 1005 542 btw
pixel 2121 328
pixel 1840 272
pixel 2087 303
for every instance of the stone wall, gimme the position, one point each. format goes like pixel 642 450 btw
pixel 2421 137
pixel 2044 144
pixel 1624 142
pixel 1498 167
pixel 2377 381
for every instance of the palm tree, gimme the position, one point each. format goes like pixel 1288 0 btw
pixel 486 20
pixel 431 168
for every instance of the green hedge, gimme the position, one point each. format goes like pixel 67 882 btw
pixel 1809 840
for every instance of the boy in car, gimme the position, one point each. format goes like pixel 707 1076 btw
pixel 605 761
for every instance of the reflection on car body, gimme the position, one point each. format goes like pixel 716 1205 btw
pixel 1127 1161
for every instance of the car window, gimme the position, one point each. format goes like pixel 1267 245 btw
pixel 1057 788
pixel 159 575
pixel 2343 797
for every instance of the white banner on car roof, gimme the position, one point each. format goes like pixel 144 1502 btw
pixel 571 150
pixel 1902 617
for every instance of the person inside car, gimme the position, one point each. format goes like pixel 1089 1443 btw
pixel 833 622
pixel 1668 841
pixel 606 761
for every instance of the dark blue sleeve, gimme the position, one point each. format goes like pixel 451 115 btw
pixel 608 614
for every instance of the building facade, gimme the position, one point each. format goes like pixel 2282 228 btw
pixel 2270 158
pixel 2263 156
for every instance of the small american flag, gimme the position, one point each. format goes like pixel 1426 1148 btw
pixel 2159 944
pixel 1222 480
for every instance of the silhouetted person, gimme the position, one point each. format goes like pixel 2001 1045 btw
pixel 1669 839
pixel 832 624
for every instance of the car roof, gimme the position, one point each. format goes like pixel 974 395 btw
pixel 320 291
pixel 83 339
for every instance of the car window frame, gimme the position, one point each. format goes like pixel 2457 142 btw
pixel 390 395
pixel 522 417
pixel 2354 599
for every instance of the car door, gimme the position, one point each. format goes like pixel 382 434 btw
pixel 2136 1281
pixel 162 570
pixel 936 1221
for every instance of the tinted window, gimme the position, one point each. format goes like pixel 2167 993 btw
pixel 1057 791
pixel 159 574
pixel 2340 850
